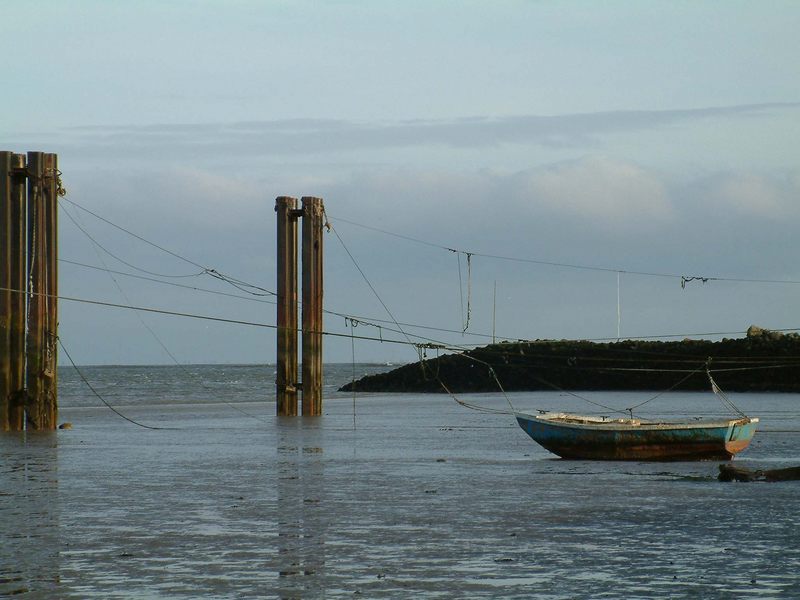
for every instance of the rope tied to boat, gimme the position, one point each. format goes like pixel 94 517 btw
pixel 727 402
pixel 661 393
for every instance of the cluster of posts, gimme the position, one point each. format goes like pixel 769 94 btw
pixel 29 190
pixel 287 385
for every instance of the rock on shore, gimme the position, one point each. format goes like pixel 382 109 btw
pixel 763 361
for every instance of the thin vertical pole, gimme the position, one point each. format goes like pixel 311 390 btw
pixel 312 305
pixel 494 311
pixel 19 286
pixel 5 284
pixel 619 309
pixel 286 375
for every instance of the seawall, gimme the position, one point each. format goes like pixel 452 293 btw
pixel 764 361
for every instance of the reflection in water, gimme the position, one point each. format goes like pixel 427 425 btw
pixel 424 500
pixel 302 521
pixel 29 513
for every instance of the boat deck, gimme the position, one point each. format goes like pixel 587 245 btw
pixel 595 422
pixel 588 437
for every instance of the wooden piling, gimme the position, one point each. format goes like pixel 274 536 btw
pixel 18 285
pixel 50 341
pixel 313 221
pixel 35 253
pixel 40 409
pixel 12 297
pixel 286 371
pixel 28 301
pixel 5 285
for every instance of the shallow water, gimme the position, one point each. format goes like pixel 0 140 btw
pixel 423 498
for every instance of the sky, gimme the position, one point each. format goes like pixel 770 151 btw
pixel 648 141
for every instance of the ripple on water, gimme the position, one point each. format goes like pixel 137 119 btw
pixel 423 499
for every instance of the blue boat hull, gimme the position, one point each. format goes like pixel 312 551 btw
pixel 719 440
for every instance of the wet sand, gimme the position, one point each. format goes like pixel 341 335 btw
pixel 422 499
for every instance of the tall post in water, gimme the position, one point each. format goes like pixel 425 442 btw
pixel 6 314
pixel 286 371
pixel 50 285
pixel 41 408
pixel 29 295
pixel 18 284
pixel 34 366
pixel 313 221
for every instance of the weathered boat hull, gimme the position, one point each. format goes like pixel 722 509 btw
pixel 590 439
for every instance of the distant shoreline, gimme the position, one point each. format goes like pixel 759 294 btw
pixel 764 361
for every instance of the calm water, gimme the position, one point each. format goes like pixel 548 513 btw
pixel 413 496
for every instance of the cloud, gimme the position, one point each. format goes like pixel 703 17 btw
pixel 202 196
pixel 595 211
pixel 608 193
pixel 324 136
pixel 754 195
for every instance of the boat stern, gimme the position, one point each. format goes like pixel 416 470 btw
pixel 739 435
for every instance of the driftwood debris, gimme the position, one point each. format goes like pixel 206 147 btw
pixel 733 473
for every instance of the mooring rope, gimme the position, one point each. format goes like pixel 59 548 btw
pixel 474 407
pixel 122 260
pixel 634 407
pixel 465 319
pixel 260 291
pixel 722 395
pixel 237 283
pixel 419 347
pixel 578 396
pixel 683 279
pixel 193 288
pixel 330 227
pixel 103 400
pixel 377 323
pixel 158 339
pixel 460 289
pixel 469 291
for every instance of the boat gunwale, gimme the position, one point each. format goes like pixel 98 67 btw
pixel 594 423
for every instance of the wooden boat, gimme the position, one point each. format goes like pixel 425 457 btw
pixel 599 438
